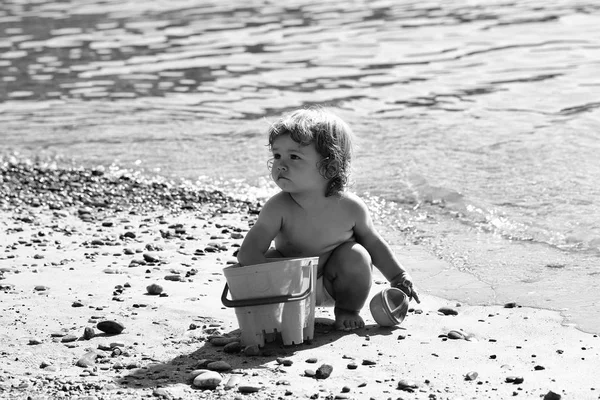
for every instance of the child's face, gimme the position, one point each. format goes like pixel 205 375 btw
pixel 295 166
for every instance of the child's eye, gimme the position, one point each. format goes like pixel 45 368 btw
pixel 276 156
pixel 294 157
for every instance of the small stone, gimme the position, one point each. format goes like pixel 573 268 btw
pixel 471 376
pixel 310 372
pixel 249 389
pixel 252 350
pixel 455 335
pixel 233 381
pixel 512 304
pixel 312 360
pixel 448 311
pixel 232 348
pixel 342 396
pixel 352 365
pixel 69 339
pixel 407 385
pixel 161 393
pixel 539 368
pixel 77 304
pixel 41 288
pixel 369 362
pixel 174 278
pixel 286 362
pixel 515 379
pixel 154 289
pixel 222 340
pixel 88 333
pixel 110 327
pixel 346 389
pixel 34 341
pixel 151 257
pixel 552 396
pixel 324 371
pixel 207 380
pixel 88 360
pixel 218 366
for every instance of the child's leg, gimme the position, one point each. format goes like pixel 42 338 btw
pixel 347 277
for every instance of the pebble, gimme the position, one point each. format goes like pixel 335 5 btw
pixel 68 338
pixel 34 341
pixel 552 396
pixel 324 371
pixel 455 335
pixel 407 385
pixel 286 362
pixel 174 278
pixel 448 311
pixel 515 379
pixel 151 257
pixel 471 376
pixel 219 366
pixel 222 340
pixel 252 350
pixel 154 289
pixel 249 389
pixel 207 380
pixel 232 348
pixel 88 333
pixel 312 360
pixel 110 327
pixel 352 365
pixel 368 362
pixel 232 382
pixel 88 360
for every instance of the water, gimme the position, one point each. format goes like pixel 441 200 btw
pixel 476 121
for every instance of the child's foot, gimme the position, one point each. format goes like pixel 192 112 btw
pixel 346 320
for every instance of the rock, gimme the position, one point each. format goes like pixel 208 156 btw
pixel 407 385
pixel 34 341
pixel 197 372
pixel 310 372
pixel 88 333
pixel 352 365
pixel 222 340
pixel 539 368
pixel 312 360
pixel 162 393
pixel 88 360
pixel 456 335
pixel 208 380
pixel 77 304
pixel 69 338
pixel 369 362
pixel 324 371
pixel 233 381
pixel 512 304
pixel 448 311
pixel 154 289
pixel 515 379
pixel 110 327
pixel 219 366
pixel 471 376
pixel 249 389
pixel 174 278
pixel 232 348
pixel 252 350
pixel 151 257
pixel 286 362
pixel 552 396
pixel 41 288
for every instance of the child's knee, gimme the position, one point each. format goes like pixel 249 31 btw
pixel 349 259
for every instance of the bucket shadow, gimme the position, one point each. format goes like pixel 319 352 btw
pixel 178 369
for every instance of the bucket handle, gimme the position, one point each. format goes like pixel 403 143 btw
pixel 267 300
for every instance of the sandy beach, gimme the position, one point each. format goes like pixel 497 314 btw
pixel 79 249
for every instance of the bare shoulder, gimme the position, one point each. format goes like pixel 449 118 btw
pixel 277 204
pixel 352 203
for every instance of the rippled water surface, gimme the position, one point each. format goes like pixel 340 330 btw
pixel 477 121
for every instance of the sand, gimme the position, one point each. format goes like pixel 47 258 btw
pixel 67 267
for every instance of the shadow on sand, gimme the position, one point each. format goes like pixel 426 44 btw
pixel 177 370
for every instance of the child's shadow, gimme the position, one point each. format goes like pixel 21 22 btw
pixel 179 368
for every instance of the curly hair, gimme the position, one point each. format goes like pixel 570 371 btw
pixel 332 138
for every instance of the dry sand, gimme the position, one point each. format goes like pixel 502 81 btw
pixel 65 269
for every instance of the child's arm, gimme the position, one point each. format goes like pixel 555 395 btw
pixel 257 241
pixel 381 253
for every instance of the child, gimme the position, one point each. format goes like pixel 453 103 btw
pixel 313 216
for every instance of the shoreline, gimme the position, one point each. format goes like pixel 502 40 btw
pixel 68 266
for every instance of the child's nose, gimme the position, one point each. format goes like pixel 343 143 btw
pixel 281 167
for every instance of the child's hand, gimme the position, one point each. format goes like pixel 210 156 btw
pixel 404 283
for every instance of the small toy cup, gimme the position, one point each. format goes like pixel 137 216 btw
pixel 389 307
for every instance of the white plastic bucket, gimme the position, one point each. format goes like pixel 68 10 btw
pixel 275 297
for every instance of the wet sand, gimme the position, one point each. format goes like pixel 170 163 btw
pixel 80 247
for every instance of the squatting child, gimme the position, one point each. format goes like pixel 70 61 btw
pixel 315 215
